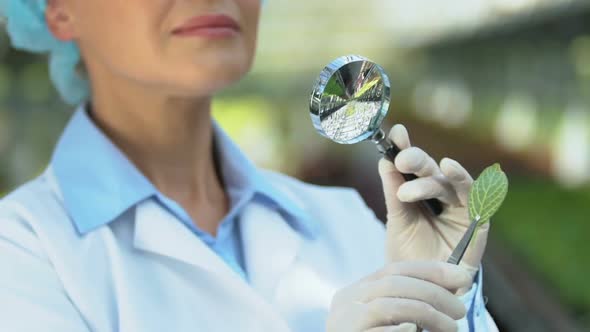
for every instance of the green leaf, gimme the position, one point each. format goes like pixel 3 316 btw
pixel 487 193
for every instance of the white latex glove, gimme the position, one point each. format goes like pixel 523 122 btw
pixel 413 234
pixel 399 295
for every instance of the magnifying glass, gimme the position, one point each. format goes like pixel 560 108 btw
pixel 349 101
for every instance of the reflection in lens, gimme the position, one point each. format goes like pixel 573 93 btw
pixel 352 104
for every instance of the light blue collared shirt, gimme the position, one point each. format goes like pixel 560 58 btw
pixel 99 183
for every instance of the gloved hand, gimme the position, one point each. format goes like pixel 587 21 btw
pixel 414 235
pixel 400 294
pixel 417 289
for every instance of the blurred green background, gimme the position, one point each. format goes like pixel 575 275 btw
pixel 481 81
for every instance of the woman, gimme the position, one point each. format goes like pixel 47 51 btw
pixel 148 217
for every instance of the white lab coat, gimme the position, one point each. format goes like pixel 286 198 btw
pixel 148 272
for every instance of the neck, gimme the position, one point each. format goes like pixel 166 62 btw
pixel 170 141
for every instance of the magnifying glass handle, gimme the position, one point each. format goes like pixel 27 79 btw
pixel 390 151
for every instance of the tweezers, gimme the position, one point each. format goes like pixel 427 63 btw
pixel 462 246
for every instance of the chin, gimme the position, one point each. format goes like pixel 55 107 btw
pixel 209 81
pixel 208 73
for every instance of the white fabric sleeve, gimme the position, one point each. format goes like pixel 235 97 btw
pixel 32 297
pixel 477 319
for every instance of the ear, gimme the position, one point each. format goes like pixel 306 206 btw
pixel 59 20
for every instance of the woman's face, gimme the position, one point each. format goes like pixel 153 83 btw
pixel 142 40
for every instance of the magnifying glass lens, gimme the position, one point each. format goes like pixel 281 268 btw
pixel 354 101
pixel 350 99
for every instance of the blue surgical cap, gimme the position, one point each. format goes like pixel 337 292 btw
pixel 27 29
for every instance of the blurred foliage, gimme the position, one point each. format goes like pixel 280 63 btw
pixel 252 123
pixel 548 225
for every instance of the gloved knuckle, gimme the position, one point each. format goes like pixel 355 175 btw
pixel 437 299
pixel 377 307
pixel 460 312
pixel 418 158
pixel 428 310
pixel 406 193
pixel 429 189
pixel 410 159
pixel 439 271
pixel 414 306
pixel 381 286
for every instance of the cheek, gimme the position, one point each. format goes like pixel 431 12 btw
pixel 251 12
pixel 121 35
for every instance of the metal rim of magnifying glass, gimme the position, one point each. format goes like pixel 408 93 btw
pixel 322 82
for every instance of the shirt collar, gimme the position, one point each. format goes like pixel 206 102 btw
pixel 240 172
pixel 98 182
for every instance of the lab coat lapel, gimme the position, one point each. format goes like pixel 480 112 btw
pixel 159 232
pixel 271 247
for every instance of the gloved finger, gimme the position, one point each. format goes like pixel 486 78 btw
pixel 406 327
pixel 427 188
pixel 459 178
pixel 391 180
pixel 390 176
pixel 472 270
pixel 400 137
pixel 414 160
pixel 448 276
pixel 415 289
pixel 391 311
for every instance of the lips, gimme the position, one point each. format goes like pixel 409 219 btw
pixel 207 24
